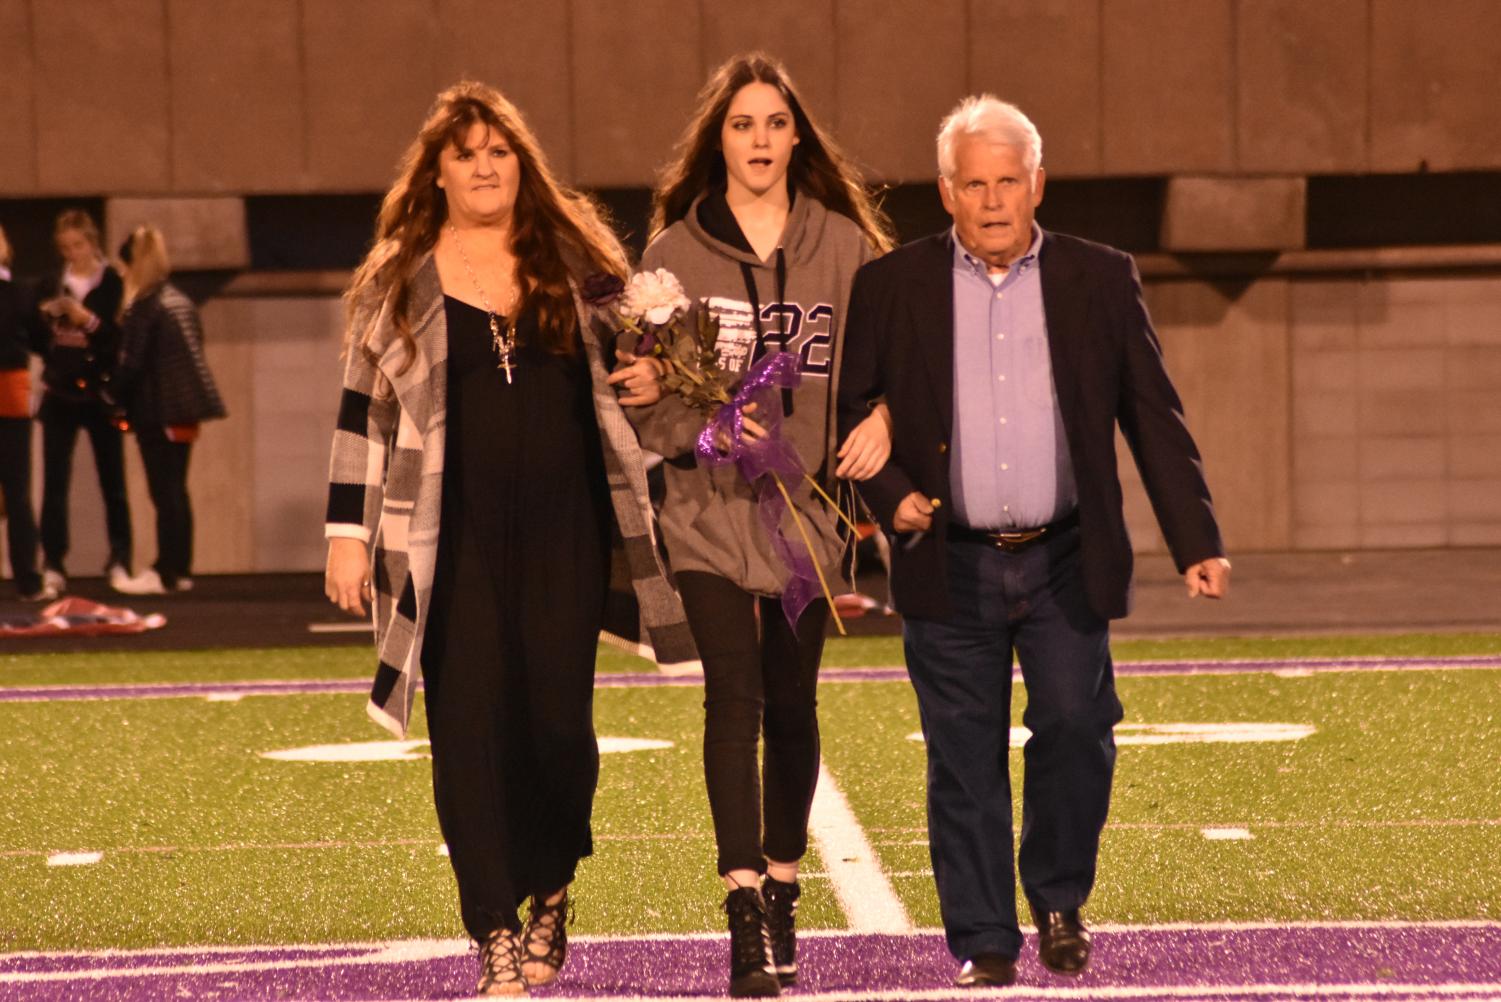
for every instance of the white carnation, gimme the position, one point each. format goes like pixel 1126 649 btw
pixel 653 296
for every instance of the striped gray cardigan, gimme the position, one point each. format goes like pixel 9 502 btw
pixel 386 488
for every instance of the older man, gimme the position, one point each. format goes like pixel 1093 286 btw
pixel 1008 356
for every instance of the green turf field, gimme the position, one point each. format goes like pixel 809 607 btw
pixel 1389 809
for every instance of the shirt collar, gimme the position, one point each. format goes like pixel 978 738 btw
pixel 965 261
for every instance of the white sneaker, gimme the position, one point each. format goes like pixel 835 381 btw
pixel 53 579
pixel 148 582
pixel 119 576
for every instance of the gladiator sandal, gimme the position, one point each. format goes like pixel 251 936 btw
pixel 781 925
pixel 500 965
pixel 545 940
pixel 751 973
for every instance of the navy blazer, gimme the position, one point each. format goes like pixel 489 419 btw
pixel 1107 369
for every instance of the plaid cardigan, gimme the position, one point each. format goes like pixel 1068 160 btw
pixel 386 487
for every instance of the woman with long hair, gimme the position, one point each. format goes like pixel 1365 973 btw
pixel 78 338
pixel 164 386
pixel 476 427
pixel 762 216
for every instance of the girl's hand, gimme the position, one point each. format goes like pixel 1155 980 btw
pixel 640 381
pixel 867 447
pixel 346 579
pixel 751 431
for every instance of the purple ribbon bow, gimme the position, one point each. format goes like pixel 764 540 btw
pixel 756 461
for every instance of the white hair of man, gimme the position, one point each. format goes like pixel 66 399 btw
pixel 987 117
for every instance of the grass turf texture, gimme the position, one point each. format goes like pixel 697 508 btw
pixel 205 842
pixel 357 661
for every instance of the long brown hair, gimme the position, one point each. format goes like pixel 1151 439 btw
pixel 818 167
pixel 554 229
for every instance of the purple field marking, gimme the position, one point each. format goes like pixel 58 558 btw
pixel 1425 961
pixel 179 690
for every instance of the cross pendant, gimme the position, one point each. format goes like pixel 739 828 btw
pixel 505 363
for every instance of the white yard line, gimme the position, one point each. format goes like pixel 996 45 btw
pixel 868 900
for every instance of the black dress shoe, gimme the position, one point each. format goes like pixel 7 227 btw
pixel 1062 940
pixel 986 970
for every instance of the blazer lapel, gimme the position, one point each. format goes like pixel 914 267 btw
pixel 933 309
pixel 1066 309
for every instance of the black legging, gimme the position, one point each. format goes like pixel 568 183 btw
pixel 758 678
pixel 166 464
pixel 61 422
pixel 15 488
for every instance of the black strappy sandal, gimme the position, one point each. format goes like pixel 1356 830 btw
pixel 500 965
pixel 545 939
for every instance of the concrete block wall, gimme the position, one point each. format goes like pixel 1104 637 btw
pixel 1397 423
pixel 1338 413
pixel 246 96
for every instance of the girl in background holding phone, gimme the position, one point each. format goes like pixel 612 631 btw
pixel 78 337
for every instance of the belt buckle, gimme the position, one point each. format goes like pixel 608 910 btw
pixel 1010 542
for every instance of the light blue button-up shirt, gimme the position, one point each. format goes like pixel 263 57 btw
pixel 1010 467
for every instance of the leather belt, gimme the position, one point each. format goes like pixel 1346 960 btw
pixel 1012 541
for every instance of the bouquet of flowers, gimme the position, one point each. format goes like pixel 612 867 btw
pixel 654 318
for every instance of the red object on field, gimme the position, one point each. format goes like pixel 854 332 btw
pixel 79 617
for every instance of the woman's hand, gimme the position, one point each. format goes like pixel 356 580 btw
pixel 640 380
pixel 60 307
pixel 867 447
pixel 346 579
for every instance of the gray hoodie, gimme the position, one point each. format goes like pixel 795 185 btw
pixel 708 518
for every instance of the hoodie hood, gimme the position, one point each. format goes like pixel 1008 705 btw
pixel 802 235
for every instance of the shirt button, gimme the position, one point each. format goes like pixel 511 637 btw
pixel 1001 377
pixel 1000 337
pixel 1000 295
pixel 1005 466
pixel 1003 420
pixel 1005 507
pixel 943 447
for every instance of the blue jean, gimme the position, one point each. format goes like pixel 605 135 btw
pixel 1031 602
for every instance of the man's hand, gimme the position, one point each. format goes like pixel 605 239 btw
pixel 639 380
pixel 346 580
pixel 914 514
pixel 1210 578
pixel 867 448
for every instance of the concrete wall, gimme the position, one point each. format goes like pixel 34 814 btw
pixel 1339 413
pixel 152 97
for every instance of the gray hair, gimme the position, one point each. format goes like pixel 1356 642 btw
pixel 988 117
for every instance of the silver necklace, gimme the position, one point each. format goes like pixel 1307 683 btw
pixel 504 343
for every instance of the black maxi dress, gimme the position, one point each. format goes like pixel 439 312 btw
pixel 518 600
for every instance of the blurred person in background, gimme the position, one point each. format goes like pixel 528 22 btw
pixel 77 334
pixel 475 432
pixel 15 437
pixel 164 387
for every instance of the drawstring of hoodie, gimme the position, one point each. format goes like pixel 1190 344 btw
pixel 755 305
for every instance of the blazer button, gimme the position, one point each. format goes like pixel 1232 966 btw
pixel 942 448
